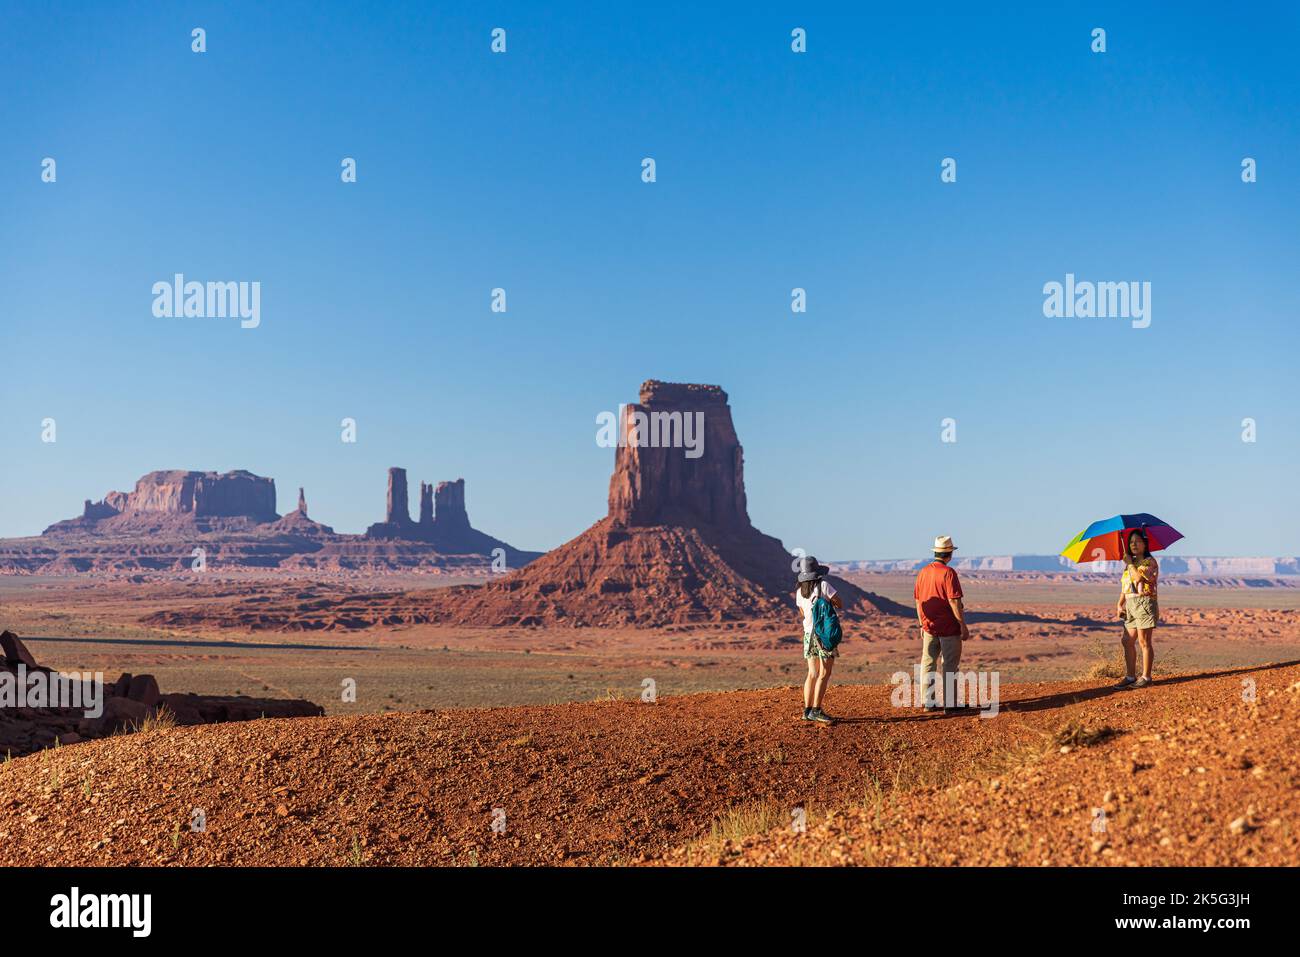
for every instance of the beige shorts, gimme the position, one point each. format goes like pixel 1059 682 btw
pixel 1141 611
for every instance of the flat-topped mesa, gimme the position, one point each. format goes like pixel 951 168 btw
pixel 449 506
pixel 237 494
pixel 426 504
pixel 399 509
pixel 679 461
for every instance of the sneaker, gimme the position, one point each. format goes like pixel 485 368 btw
pixel 821 717
pixel 1128 680
pixel 807 714
pixel 1142 682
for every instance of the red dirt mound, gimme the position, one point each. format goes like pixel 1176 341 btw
pixel 1188 773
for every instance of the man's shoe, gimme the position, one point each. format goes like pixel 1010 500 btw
pixel 821 717
pixel 807 714
pixel 1142 682
pixel 1126 681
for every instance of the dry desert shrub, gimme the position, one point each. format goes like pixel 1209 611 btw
pixel 1106 660
pixel 1072 734
pixel 1076 734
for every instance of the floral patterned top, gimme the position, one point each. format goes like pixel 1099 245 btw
pixel 1140 577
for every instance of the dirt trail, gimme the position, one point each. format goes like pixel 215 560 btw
pixel 617 781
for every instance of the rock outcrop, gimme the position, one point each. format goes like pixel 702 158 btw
pixel 676 546
pixel 126 704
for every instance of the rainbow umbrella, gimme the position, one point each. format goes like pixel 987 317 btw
pixel 1103 540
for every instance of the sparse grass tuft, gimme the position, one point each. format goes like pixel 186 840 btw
pixel 161 718
pixel 740 821
pixel 874 799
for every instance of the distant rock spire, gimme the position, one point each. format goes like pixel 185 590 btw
pixel 426 503
pixel 449 506
pixel 398 512
pixel 302 502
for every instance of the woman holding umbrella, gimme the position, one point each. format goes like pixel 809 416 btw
pixel 1138 606
pixel 1131 538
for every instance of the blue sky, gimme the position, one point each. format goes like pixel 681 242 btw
pixel 775 170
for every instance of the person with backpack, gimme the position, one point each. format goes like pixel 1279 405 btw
pixel 942 618
pixel 816 599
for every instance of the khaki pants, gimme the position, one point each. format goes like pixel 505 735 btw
pixel 932 647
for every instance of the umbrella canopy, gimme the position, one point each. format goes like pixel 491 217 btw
pixel 1104 540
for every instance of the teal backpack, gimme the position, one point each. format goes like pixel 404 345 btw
pixel 826 624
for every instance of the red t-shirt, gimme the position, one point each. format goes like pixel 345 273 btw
pixel 936 585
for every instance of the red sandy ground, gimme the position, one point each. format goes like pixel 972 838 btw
pixel 1190 774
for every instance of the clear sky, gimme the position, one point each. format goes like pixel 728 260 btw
pixel 774 170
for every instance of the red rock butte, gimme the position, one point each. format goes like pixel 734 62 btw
pixel 676 546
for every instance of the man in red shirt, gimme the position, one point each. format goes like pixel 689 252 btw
pixel 943 620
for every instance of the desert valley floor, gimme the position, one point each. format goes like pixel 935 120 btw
pixel 548 724
pixel 1027 629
